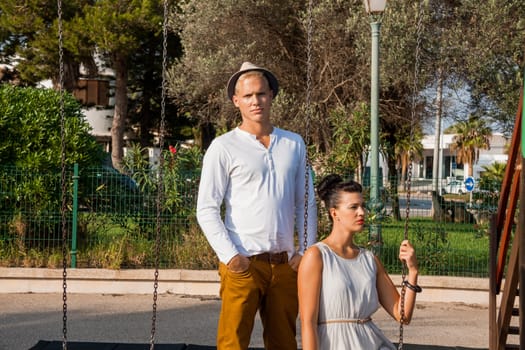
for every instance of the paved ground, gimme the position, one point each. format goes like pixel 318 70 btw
pixel 27 318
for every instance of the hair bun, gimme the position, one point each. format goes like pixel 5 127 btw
pixel 327 184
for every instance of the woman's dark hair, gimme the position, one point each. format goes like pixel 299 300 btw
pixel 330 187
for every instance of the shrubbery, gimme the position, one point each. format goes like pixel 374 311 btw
pixel 30 153
pixel 30 130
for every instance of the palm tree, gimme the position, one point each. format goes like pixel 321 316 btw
pixel 408 149
pixel 492 176
pixel 471 136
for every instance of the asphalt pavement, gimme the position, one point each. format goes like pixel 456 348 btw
pixel 26 319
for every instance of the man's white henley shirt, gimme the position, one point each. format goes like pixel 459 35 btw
pixel 263 191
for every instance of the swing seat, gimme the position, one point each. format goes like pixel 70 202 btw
pixel 57 345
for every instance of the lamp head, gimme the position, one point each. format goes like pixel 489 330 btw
pixel 375 7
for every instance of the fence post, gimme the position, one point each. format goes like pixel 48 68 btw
pixel 74 218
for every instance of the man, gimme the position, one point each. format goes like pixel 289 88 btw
pixel 258 172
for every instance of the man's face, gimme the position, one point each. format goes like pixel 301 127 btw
pixel 253 97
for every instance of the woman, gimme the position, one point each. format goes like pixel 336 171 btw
pixel 341 285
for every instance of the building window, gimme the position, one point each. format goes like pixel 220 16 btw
pixel 92 92
pixel 429 163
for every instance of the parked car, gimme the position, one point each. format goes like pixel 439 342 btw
pixel 104 189
pixel 454 187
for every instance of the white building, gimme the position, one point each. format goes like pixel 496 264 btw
pixel 448 166
pixel 422 169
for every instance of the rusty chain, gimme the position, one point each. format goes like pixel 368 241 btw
pixel 309 30
pixel 160 189
pixel 63 182
pixel 415 87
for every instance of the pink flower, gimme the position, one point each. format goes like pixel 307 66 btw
pixel 172 149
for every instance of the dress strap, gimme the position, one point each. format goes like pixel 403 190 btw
pixel 360 321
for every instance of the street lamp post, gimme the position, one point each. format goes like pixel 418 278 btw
pixel 375 9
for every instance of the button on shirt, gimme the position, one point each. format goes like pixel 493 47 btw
pixel 263 191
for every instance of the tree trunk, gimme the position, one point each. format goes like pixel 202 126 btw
pixel 204 135
pixel 438 214
pixel 396 213
pixel 470 169
pixel 71 74
pixel 359 175
pixel 121 109
pixel 391 140
pixel 436 176
pixel 146 117
pixel 404 165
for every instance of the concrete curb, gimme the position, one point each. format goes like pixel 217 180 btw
pixel 200 283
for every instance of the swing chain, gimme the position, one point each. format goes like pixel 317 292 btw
pixel 63 182
pixel 309 29
pixel 160 192
pixel 410 161
pixel 404 269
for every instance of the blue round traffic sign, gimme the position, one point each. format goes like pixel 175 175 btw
pixel 469 183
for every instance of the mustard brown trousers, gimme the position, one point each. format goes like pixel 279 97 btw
pixel 269 286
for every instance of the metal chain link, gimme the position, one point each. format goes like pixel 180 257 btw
pixel 160 193
pixel 410 160
pixel 309 30
pixel 63 182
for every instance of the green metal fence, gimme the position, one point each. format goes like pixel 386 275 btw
pixel 112 223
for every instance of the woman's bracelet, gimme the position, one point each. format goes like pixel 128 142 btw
pixel 415 288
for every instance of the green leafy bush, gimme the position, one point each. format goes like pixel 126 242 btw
pixel 31 152
pixel 30 130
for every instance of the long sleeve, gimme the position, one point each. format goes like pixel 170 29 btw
pixel 259 191
pixel 212 189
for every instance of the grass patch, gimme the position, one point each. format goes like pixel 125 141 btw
pixel 105 241
pixel 445 249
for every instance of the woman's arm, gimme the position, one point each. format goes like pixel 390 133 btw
pixel 309 281
pixel 389 296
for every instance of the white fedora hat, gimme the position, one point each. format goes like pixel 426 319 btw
pixel 246 67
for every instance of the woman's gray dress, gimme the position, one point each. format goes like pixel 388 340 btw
pixel 348 300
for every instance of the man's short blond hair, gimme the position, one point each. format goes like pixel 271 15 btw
pixel 251 74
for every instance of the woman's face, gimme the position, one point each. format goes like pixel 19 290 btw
pixel 350 212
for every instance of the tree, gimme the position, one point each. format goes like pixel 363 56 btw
pixel 214 48
pixel 339 42
pixel 349 143
pixel 407 150
pixel 118 29
pixel 30 130
pixel 145 92
pixel 492 176
pixel 493 58
pixel 29 40
pixel 471 136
